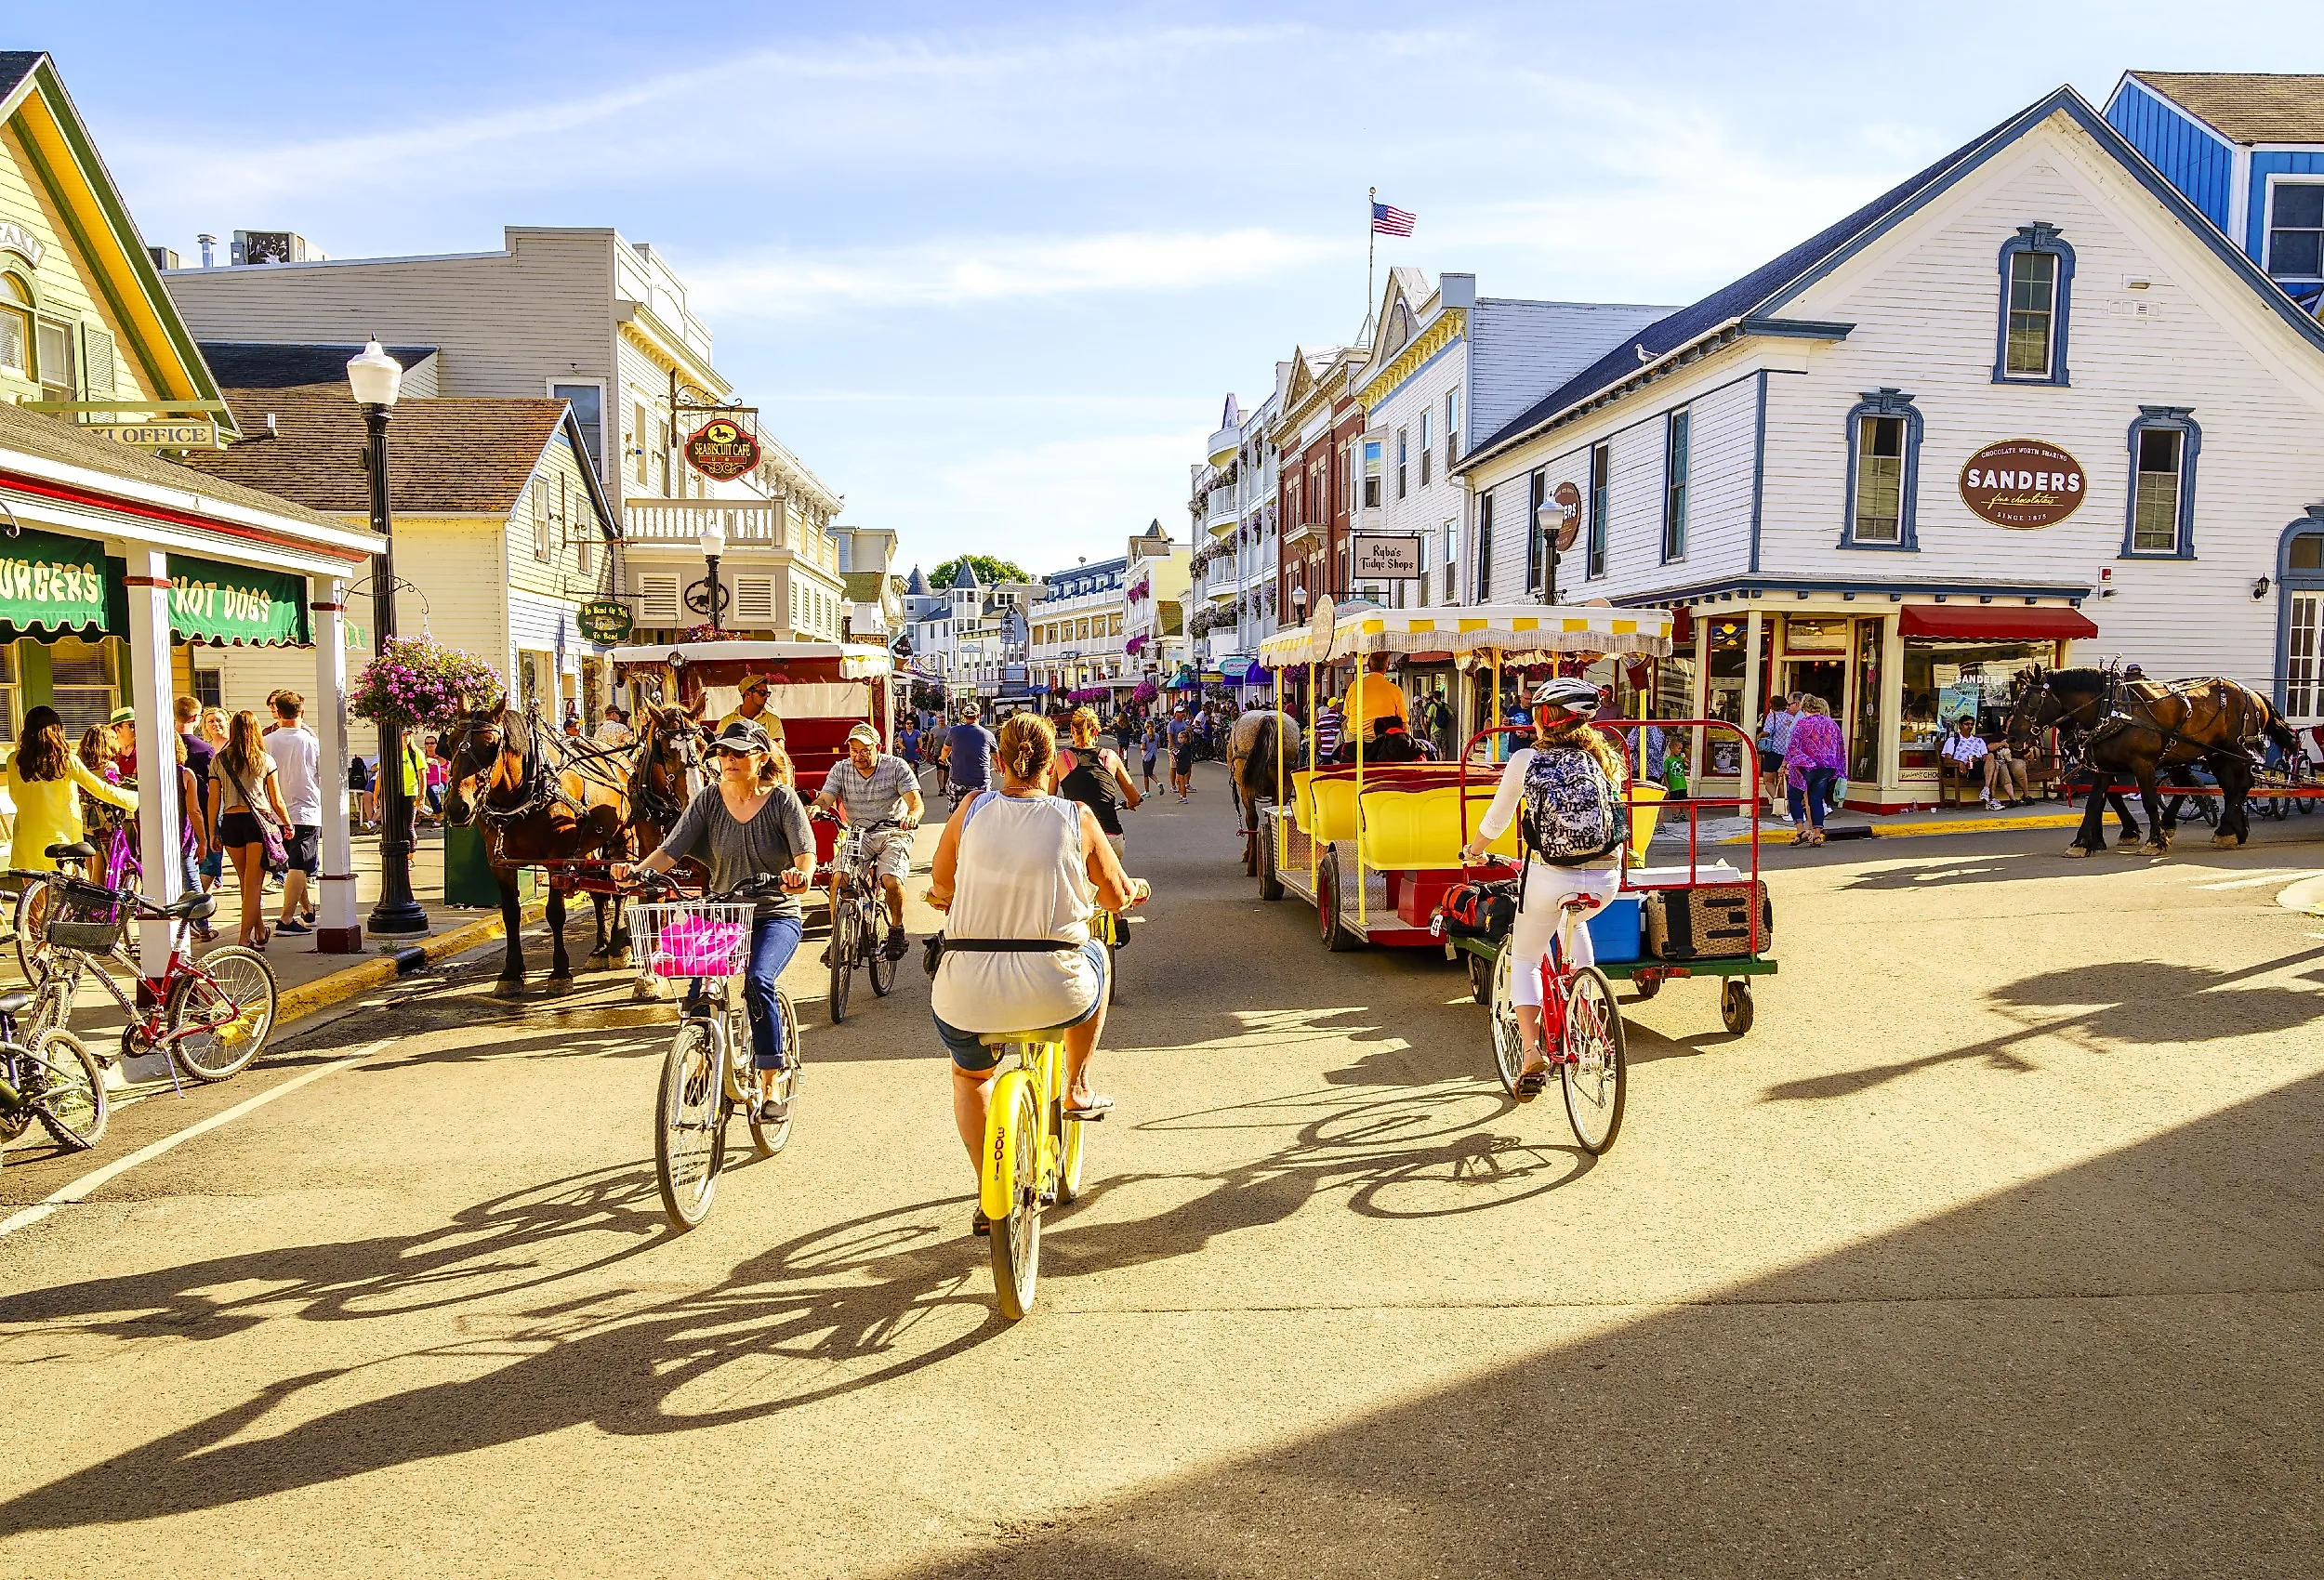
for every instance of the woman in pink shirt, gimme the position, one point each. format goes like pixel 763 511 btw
pixel 1812 761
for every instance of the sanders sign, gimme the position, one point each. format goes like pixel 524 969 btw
pixel 2021 482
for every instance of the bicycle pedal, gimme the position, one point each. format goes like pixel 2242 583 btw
pixel 1046 1199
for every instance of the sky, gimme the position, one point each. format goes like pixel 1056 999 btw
pixel 991 270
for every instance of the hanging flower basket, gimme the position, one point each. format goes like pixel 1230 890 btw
pixel 415 682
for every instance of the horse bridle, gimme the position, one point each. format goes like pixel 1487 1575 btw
pixel 648 803
pixel 538 784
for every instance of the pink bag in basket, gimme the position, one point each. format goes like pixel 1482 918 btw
pixel 696 946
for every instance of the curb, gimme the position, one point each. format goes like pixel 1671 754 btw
pixel 296 1003
pixel 1912 831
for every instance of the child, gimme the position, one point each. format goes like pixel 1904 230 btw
pixel 1153 751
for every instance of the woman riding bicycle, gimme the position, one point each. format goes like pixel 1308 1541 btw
pixel 1568 783
pixel 751 825
pixel 1019 873
pixel 1094 776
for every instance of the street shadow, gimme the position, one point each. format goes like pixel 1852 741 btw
pixel 2137 1003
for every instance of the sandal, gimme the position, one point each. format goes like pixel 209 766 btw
pixel 1094 1111
pixel 1531 1084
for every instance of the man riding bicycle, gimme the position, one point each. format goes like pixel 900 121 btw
pixel 967 755
pixel 873 787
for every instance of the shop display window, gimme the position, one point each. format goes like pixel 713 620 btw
pixel 1944 681
pixel 1864 735
pixel 1724 695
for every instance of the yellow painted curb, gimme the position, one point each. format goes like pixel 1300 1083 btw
pixel 357 979
pixel 1908 831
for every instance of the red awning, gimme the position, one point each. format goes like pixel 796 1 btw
pixel 1996 623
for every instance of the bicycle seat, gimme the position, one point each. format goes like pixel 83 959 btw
pixel 79 850
pixel 15 1002
pixel 1004 1039
pixel 191 907
pixel 1582 903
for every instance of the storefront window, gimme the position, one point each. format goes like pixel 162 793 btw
pixel 1944 681
pixel 81 679
pixel 1864 739
pixel 1723 696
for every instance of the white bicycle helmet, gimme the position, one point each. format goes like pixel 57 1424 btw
pixel 1570 692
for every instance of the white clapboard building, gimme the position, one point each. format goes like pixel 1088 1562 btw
pixel 2029 405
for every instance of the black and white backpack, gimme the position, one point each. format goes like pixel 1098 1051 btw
pixel 1573 814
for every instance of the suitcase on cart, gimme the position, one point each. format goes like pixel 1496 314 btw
pixel 1710 923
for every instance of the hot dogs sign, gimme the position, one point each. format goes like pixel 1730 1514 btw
pixel 2022 482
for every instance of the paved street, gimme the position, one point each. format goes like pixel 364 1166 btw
pixel 2031 1287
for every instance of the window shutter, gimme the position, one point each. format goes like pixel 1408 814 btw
pixel 97 361
pixel 657 598
pixel 753 601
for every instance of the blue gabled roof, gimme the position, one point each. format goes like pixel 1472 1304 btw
pixel 1779 278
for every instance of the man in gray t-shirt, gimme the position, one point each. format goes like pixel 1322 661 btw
pixel 871 786
pixel 969 754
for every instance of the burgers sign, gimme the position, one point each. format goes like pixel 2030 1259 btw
pixel 2021 482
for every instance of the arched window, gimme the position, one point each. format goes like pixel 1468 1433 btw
pixel 1883 486
pixel 2165 441
pixel 2037 294
pixel 16 326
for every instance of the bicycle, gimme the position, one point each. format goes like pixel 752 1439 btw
pixel 706 1075
pixel 1581 1026
pixel 122 870
pixel 856 914
pixel 1034 1154
pixel 54 1080
pixel 212 1016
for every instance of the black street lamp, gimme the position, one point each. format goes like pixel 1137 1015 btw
pixel 709 596
pixel 1549 522
pixel 376 378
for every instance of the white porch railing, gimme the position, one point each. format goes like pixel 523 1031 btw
pixel 684 520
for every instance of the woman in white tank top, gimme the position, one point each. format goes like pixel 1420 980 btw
pixel 1021 866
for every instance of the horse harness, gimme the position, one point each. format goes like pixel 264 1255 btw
pixel 2114 718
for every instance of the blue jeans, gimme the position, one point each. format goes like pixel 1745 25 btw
pixel 773 939
pixel 1818 796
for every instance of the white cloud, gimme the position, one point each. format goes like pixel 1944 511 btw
pixel 994 268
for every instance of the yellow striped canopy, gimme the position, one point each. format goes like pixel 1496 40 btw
pixel 1520 633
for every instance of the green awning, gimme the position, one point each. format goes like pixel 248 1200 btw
pixel 210 602
pixel 52 583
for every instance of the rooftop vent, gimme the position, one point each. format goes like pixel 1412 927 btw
pixel 274 246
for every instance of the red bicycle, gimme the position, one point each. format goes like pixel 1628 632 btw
pixel 211 1016
pixel 1581 1031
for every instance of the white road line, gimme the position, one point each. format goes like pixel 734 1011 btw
pixel 95 1180
pixel 2273 875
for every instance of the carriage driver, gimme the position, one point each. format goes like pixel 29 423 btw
pixel 873 787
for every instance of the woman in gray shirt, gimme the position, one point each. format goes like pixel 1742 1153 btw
pixel 746 825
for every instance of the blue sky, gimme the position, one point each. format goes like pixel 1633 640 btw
pixel 990 271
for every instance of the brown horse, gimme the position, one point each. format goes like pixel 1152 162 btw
pixel 533 811
pixel 1253 744
pixel 2146 730
pixel 664 773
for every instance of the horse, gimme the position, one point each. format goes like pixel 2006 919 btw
pixel 2146 730
pixel 534 813
pixel 662 773
pixel 1259 742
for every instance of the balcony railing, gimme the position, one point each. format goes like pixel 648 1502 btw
pixel 744 521
pixel 1223 445
pixel 1220 509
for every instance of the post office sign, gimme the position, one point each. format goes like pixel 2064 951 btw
pixel 2022 482
pixel 177 433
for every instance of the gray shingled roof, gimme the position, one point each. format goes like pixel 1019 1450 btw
pixel 16 65
pixel 34 434
pixel 268 364
pixel 2247 107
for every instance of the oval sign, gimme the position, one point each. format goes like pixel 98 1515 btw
pixel 2022 482
pixel 1568 501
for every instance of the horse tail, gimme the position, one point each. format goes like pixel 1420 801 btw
pixel 2275 727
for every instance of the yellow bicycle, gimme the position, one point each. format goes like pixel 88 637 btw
pixel 1033 1158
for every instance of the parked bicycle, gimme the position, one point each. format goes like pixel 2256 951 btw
pixel 706 1075
pixel 1581 1028
pixel 113 848
pixel 212 1016
pixel 857 915
pixel 54 1080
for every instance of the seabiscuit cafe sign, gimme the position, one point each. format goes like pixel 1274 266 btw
pixel 721 450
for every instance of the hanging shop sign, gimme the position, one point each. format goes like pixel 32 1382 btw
pixel 1567 498
pixel 721 450
pixel 1380 558
pixel 210 602
pixel 177 433
pixel 2021 482
pixel 51 582
pixel 605 621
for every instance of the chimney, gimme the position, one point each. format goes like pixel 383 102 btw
pixel 164 257
pixel 209 255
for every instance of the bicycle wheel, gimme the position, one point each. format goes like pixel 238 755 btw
pixel 73 1107
pixel 690 1120
pixel 51 1008
pixel 229 1005
pixel 32 938
pixel 1509 1042
pixel 1013 1149
pixel 770 1138
pixel 843 944
pixel 1593 1070
pixel 883 965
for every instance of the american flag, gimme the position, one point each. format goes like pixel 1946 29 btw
pixel 1387 221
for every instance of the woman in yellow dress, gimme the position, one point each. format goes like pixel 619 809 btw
pixel 45 778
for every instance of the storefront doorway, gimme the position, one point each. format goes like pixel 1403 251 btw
pixel 1825 677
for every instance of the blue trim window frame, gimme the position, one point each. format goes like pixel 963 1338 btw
pixel 1601 501
pixel 2159 523
pixel 1483 585
pixel 2299 616
pixel 1538 549
pixel 1678 442
pixel 1883 473
pixel 2037 266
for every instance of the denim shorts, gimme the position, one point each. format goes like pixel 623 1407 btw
pixel 971 1054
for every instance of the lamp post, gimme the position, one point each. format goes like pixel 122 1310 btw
pixel 1549 522
pixel 708 596
pixel 376 378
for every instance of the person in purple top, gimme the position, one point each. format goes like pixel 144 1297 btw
pixel 1813 762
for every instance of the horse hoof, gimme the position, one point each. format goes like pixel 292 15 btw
pixel 508 987
pixel 2226 842
pixel 2153 847
pixel 558 986
pixel 594 962
pixel 2076 851
pixel 618 960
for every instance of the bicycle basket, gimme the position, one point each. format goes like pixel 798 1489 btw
pixel 89 920
pixel 694 938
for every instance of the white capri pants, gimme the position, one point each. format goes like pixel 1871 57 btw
pixel 1547 888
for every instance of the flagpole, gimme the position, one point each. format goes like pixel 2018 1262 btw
pixel 1372 245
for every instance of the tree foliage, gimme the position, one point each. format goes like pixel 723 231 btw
pixel 989 569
